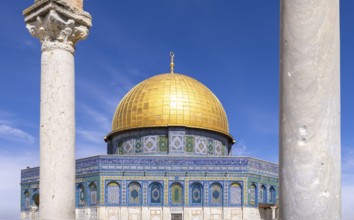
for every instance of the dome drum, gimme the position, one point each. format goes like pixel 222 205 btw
pixel 169 141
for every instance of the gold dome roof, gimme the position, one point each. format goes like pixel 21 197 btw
pixel 170 99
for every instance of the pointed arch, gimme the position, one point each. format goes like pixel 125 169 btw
pixel 80 195
pixel 216 194
pixel 253 194
pixel 155 194
pixel 93 193
pixel 113 193
pixel 235 194
pixel 176 194
pixel 196 194
pixel 263 194
pixel 134 195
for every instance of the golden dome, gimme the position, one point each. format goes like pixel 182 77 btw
pixel 170 99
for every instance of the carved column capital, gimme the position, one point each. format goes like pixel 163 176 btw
pixel 57 25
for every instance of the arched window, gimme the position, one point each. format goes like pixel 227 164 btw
pixel 156 194
pixel 80 195
pixel 113 193
pixel 272 195
pixel 263 194
pixel 176 194
pixel 216 194
pixel 93 193
pixel 27 199
pixel 196 194
pixel 134 194
pixel 253 194
pixel 235 194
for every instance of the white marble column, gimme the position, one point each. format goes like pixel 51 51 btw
pixel 59 26
pixel 310 162
pixel 274 208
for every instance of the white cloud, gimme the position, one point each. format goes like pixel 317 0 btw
pixel 10 128
pixel 6 117
pixel 8 132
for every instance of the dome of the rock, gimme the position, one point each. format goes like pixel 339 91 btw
pixel 170 99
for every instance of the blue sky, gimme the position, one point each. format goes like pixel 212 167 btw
pixel 232 46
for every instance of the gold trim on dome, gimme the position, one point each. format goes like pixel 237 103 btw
pixel 170 100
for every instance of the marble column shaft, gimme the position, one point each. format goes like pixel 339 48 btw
pixel 57 135
pixel 59 27
pixel 310 146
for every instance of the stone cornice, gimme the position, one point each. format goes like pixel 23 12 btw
pixel 57 24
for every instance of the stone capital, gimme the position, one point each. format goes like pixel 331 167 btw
pixel 57 24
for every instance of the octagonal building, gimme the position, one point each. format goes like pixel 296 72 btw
pixel 168 158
